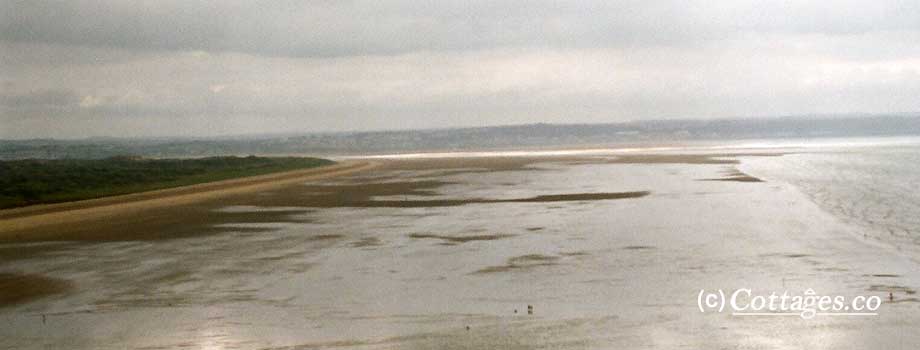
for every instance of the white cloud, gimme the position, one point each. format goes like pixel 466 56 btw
pixel 217 88
pixel 90 101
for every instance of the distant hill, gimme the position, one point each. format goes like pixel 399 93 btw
pixel 499 137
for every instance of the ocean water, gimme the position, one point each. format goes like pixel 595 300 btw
pixel 874 186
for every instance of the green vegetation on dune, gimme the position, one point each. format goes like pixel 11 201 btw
pixel 28 182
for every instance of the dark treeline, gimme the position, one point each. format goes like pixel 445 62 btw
pixel 27 182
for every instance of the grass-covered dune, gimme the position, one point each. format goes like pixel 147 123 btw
pixel 28 182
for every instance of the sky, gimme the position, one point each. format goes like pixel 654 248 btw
pixel 74 69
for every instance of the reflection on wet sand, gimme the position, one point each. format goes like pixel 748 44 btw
pixel 447 254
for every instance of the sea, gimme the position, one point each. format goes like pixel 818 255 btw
pixel 871 183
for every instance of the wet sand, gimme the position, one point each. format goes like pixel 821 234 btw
pixel 190 211
pixel 447 253
pixel 734 175
pixel 17 289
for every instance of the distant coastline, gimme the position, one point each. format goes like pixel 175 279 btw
pixel 643 134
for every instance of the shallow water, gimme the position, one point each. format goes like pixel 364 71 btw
pixel 612 273
pixel 872 188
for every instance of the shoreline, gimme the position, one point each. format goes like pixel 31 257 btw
pixel 162 213
pixel 527 224
pixel 38 216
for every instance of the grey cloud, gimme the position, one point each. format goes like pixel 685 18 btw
pixel 208 67
pixel 49 98
pixel 344 28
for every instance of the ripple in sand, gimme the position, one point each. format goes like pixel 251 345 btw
pixel 786 255
pixel 735 175
pixel 638 247
pixel 522 262
pixel 23 288
pixel 891 289
pixel 324 237
pixel 887 275
pixel 575 253
pixel 366 242
pixel 460 239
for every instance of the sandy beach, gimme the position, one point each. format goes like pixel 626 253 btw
pixel 66 221
pixel 44 222
pixel 609 251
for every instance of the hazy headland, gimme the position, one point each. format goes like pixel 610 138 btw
pixel 512 137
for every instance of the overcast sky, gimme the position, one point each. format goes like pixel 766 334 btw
pixel 186 68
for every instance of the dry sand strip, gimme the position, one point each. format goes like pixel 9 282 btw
pixel 13 220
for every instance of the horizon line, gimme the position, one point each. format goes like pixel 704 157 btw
pixel 823 116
